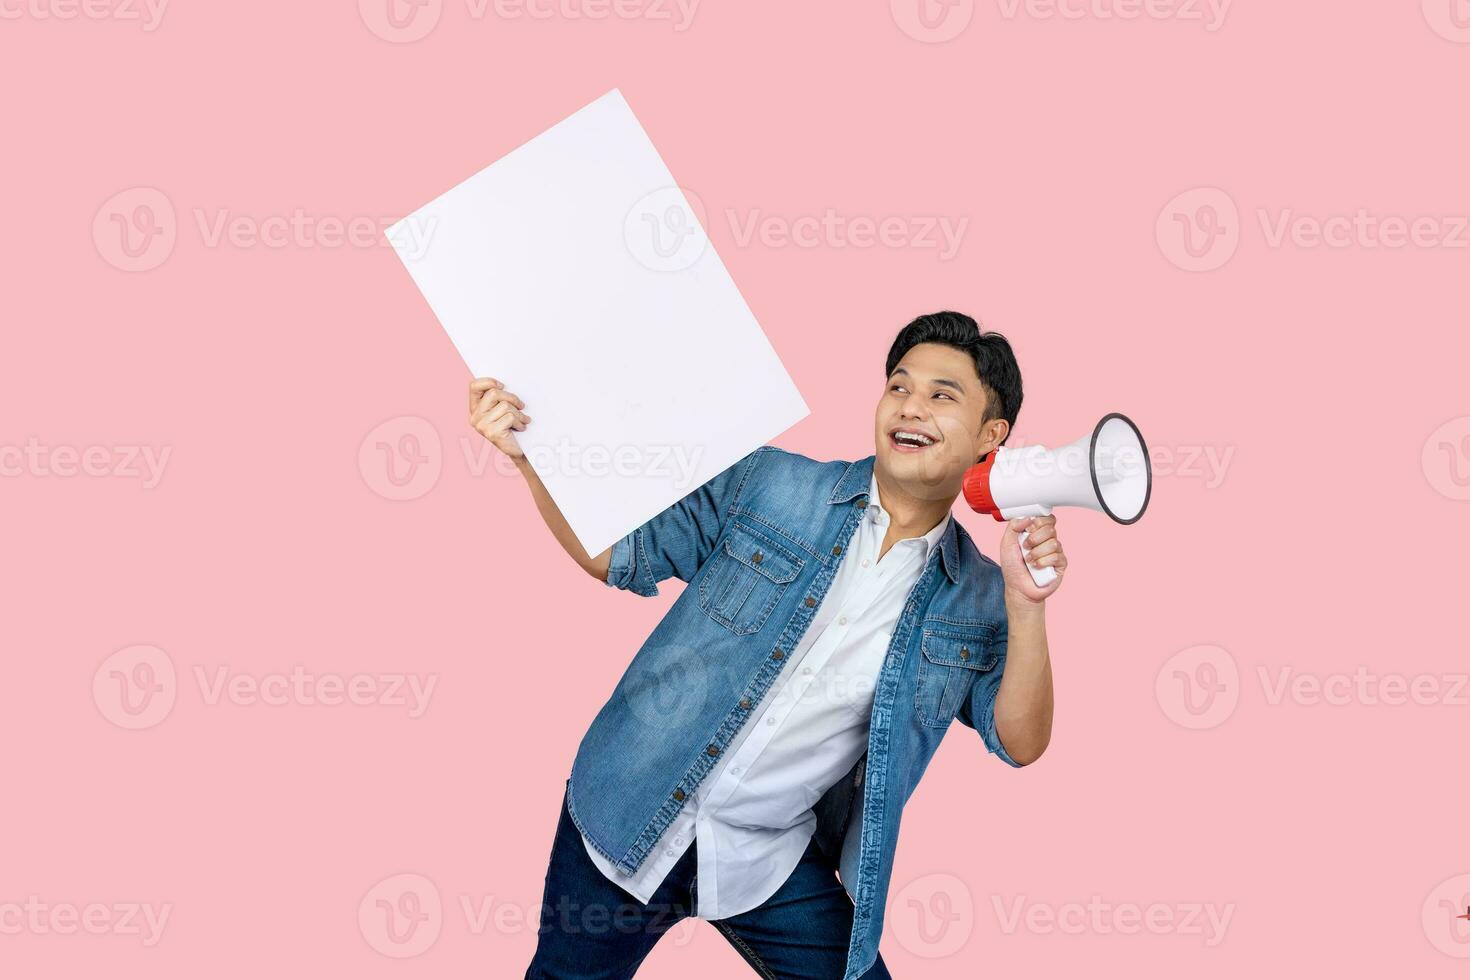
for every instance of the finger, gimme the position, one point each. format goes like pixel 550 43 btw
pixel 495 429
pixel 494 410
pixel 490 412
pixel 489 398
pixel 1019 524
pixel 481 405
pixel 1045 548
pixel 1056 561
pixel 478 387
pixel 507 418
pixel 1039 534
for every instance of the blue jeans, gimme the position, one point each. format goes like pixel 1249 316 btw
pixel 593 930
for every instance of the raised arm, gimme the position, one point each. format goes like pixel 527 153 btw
pixel 497 414
pixel 671 544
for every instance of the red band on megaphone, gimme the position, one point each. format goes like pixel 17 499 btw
pixel 977 488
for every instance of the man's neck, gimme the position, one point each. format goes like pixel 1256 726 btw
pixel 910 516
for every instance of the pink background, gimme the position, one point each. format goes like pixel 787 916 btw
pixel 1328 380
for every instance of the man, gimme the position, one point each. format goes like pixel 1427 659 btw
pixel 771 728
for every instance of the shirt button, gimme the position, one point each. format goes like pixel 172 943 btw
pixel 837 549
pixel 678 840
pixel 735 771
pixel 866 563
pixel 776 654
pixel 964 653
pixel 841 620
pixel 810 601
pixel 713 750
pixel 745 702
pixel 861 503
pixel 770 721
pixel 806 670
pixel 757 557
pixel 679 795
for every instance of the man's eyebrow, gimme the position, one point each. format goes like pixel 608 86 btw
pixel 946 382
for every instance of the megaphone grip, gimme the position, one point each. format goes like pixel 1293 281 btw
pixel 1043 576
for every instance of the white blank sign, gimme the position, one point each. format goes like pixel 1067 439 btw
pixel 575 271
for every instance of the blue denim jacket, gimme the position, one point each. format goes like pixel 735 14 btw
pixel 758 546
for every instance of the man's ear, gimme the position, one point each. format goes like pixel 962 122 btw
pixel 992 433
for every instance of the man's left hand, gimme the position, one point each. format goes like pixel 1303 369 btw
pixel 1043 550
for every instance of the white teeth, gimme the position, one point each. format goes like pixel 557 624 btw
pixel 913 439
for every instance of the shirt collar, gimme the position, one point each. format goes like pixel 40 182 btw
pixel 879 514
pixel 850 486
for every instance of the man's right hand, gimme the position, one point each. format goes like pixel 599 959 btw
pixel 496 413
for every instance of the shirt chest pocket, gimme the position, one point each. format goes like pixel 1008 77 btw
pixel 745 579
pixel 952 659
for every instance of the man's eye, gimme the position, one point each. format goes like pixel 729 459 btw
pixel 942 394
pixel 895 387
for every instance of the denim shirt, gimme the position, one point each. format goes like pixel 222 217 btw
pixel 759 546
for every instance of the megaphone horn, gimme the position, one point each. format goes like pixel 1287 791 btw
pixel 1107 470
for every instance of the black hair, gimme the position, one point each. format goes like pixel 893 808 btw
pixel 995 362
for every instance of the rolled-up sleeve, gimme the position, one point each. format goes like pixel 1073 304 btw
pixel 978 711
pixel 676 542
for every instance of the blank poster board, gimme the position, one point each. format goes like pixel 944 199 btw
pixel 575 271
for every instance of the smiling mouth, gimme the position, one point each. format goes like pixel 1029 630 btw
pixel 910 440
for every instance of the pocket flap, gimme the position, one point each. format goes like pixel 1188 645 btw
pixel 953 649
pixel 755 551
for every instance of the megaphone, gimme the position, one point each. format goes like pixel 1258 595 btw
pixel 1107 470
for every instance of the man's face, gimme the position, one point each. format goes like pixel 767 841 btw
pixel 928 427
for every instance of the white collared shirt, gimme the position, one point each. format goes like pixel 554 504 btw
pixel 752 813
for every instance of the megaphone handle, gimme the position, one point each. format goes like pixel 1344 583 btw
pixel 1043 576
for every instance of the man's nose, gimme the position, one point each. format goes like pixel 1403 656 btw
pixel 912 408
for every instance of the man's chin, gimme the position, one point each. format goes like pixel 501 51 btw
pixel 923 474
